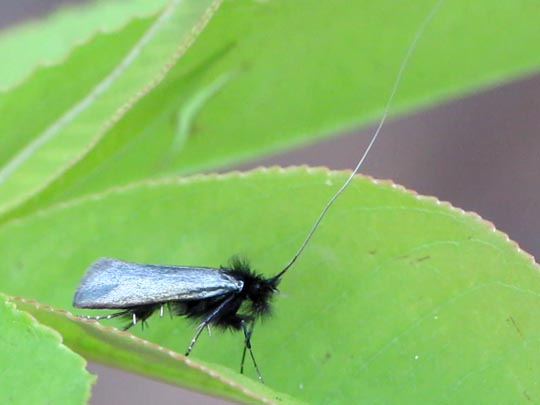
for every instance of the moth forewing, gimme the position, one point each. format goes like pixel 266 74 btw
pixel 113 283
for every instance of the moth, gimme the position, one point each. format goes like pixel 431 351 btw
pixel 231 297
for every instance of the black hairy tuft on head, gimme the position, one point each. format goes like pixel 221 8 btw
pixel 257 291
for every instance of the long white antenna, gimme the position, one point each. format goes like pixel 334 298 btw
pixel 374 137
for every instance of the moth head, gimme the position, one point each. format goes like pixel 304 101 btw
pixel 257 289
pixel 260 292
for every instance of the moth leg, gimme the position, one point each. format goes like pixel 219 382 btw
pixel 243 359
pixel 204 323
pixel 140 315
pixel 248 330
pixel 100 317
pixel 133 322
pixel 197 334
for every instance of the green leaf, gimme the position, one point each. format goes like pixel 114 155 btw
pixel 398 297
pixel 50 40
pixel 19 133
pixel 114 347
pixel 268 76
pixel 95 87
pixel 36 367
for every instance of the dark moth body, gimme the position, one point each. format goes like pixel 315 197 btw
pixel 231 297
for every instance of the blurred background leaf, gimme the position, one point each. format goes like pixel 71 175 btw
pixel 52 39
pixel 63 124
pixel 267 76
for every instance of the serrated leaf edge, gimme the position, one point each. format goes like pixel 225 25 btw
pixel 78 43
pixel 272 170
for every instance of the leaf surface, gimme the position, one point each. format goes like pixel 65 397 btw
pixel 36 366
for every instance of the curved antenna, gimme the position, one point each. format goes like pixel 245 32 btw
pixel 374 137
